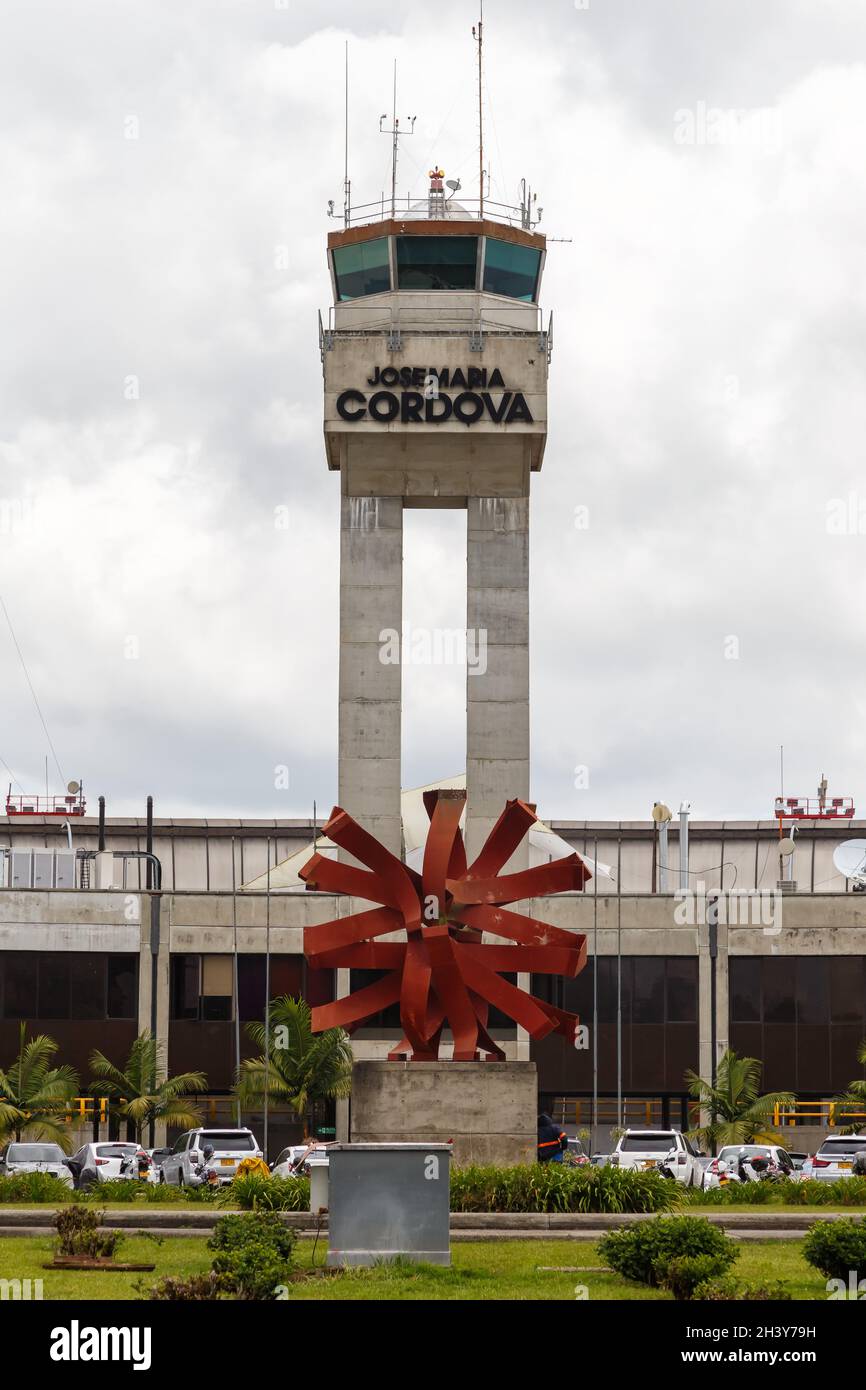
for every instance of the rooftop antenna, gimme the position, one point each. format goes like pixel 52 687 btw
pixel 347 187
pixel 478 35
pixel 395 132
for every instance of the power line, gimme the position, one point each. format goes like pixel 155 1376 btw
pixel 32 691
pixel 11 774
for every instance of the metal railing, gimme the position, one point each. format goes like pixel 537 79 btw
pixel 397 321
pixel 829 1113
pixel 466 210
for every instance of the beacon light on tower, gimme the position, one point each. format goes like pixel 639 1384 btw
pixel 444 973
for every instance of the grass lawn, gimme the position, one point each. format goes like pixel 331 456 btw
pixel 482 1271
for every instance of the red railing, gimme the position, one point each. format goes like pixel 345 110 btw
pixel 45 805
pixel 813 808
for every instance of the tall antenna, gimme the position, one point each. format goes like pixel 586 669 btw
pixel 478 35
pixel 347 199
pixel 395 132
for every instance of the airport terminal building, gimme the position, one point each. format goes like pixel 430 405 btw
pixel 671 979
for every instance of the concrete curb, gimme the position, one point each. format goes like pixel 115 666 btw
pixel 761 1224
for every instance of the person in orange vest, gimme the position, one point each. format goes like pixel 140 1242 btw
pixel 552 1141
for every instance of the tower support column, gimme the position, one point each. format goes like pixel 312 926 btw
pixel 497 677
pixel 371 612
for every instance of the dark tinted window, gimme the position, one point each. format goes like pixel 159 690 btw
pixel 847 988
pixel 779 986
pixel 682 983
pixel 121 986
pixel 511 269
pixel 362 269
pixel 647 1143
pixel 436 262
pixel 54 986
pixel 226 1141
pixel 745 986
pixel 813 1000
pixel 185 986
pixel 19 995
pixel 87 982
pixel 648 1001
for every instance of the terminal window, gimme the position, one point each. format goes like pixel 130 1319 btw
pixel 511 270
pixel 437 262
pixel 362 269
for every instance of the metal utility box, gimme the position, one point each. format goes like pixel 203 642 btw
pixel 388 1201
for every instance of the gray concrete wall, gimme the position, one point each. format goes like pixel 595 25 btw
pixel 488 1109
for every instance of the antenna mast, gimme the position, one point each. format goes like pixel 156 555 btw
pixel 478 34
pixel 395 132
pixel 347 198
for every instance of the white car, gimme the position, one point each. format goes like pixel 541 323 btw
pixel 36 1158
pixel 297 1158
pixel 644 1148
pixel 221 1150
pixel 104 1162
pixel 779 1160
pixel 835 1158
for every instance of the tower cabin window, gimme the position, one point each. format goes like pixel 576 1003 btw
pixel 437 262
pixel 511 270
pixel 362 269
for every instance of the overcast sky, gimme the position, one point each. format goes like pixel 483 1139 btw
pixel 161 393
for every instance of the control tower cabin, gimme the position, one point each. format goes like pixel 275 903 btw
pixel 435 362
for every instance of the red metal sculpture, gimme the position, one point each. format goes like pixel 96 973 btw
pixel 443 971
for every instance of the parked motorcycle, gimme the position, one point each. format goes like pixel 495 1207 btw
pixel 666 1165
pixel 205 1170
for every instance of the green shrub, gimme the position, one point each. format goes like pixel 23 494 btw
pixel 730 1290
pixel 234 1232
pixel 553 1187
pixel 34 1187
pixel 253 1254
pixel 253 1271
pixel 79 1234
pixel 837 1248
pixel 195 1289
pixel 255 1193
pixel 683 1274
pixel 641 1252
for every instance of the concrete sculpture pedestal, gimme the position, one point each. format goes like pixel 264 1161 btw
pixel 488 1109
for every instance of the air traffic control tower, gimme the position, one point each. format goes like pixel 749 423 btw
pixel 435 363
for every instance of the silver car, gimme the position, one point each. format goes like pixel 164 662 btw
pixel 36 1158
pixel 835 1158
pixel 220 1150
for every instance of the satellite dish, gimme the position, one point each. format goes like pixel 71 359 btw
pixel 786 846
pixel 73 787
pixel 662 813
pixel 453 184
pixel 849 859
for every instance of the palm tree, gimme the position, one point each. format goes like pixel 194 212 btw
pixel 142 1093
pixel 854 1098
pixel 297 1067
pixel 34 1095
pixel 738 1114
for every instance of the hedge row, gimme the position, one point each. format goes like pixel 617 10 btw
pixel 844 1192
